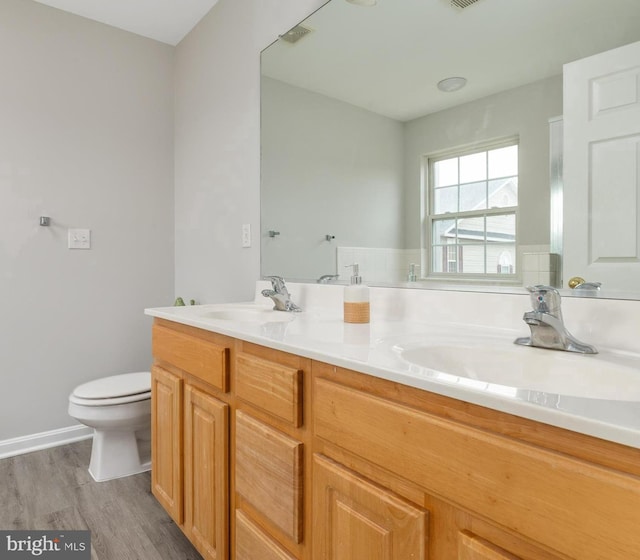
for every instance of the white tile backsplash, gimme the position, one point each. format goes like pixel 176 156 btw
pixel 377 264
pixel 539 267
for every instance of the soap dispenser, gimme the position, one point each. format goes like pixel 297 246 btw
pixel 356 299
pixel 412 276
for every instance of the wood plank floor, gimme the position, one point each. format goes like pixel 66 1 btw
pixel 52 489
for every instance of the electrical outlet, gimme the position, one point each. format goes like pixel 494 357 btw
pixel 246 235
pixel 79 239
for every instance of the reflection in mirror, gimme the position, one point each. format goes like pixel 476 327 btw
pixel 365 160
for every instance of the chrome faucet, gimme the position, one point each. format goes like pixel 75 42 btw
pixel 546 323
pixel 327 278
pixel 280 295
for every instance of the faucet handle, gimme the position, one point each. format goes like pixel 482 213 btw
pixel 545 299
pixel 277 283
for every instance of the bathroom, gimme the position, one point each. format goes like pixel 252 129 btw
pixel 158 154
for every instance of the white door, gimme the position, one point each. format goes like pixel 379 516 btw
pixel 602 169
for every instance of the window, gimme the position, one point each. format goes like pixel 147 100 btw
pixel 471 215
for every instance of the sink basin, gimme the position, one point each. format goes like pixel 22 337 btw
pixel 249 315
pixel 603 376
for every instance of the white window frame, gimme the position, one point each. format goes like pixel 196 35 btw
pixel 428 162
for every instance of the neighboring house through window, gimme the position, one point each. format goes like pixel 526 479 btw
pixel 472 208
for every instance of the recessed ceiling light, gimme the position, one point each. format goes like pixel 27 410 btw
pixel 363 2
pixel 452 84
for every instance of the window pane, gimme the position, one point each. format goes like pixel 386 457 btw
pixel 473 259
pixel 445 172
pixel 503 193
pixel 444 231
pixel 445 200
pixel 473 168
pixel 501 258
pixel 471 229
pixel 503 162
pixel 437 258
pixel 451 253
pixel 473 196
pixel 501 229
pixel 445 258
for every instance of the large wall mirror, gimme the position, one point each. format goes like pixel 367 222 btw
pixel 366 158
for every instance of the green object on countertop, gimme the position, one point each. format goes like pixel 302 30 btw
pixel 179 302
pixel 192 302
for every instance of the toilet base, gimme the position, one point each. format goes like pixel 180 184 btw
pixel 119 453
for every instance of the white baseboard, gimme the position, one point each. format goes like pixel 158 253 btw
pixel 43 440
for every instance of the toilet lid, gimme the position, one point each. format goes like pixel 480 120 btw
pixel 123 385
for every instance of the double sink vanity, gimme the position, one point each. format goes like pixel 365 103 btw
pixel 425 434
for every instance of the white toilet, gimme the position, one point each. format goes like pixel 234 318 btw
pixel 118 408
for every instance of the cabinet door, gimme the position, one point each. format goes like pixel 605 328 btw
pixel 357 519
pixel 206 460
pixel 166 441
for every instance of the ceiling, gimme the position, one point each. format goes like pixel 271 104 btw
pixel 388 58
pixel 167 21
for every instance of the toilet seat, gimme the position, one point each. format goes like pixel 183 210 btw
pixel 117 389
pixel 109 402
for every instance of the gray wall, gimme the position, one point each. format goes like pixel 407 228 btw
pixel 523 111
pixel 327 168
pixel 217 145
pixel 86 137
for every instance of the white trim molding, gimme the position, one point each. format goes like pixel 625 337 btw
pixel 43 440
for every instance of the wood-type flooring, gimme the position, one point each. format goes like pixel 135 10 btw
pixel 52 489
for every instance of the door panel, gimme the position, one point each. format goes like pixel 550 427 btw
pixel 602 168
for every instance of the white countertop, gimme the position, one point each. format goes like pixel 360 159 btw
pixel 375 349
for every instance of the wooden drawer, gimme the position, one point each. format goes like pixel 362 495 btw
pixel 253 543
pixel 269 473
pixel 572 506
pixel 273 387
pixel 472 547
pixel 203 359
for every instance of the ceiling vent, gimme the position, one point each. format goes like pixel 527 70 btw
pixel 462 3
pixel 295 34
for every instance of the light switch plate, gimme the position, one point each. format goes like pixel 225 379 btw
pixel 79 239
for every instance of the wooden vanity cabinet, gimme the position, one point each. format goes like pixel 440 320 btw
pixel 190 434
pixel 263 455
